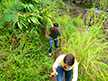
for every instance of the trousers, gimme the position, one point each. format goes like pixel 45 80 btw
pixel 60 74
pixel 51 42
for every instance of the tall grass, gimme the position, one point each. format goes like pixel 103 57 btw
pixel 88 46
pixel 28 62
pixel 25 59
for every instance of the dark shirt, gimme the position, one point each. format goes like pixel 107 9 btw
pixel 54 34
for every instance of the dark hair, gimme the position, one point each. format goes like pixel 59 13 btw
pixel 69 59
pixel 55 25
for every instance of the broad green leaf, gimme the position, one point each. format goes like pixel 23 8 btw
pixel 37 1
pixel 1 27
pixel 9 17
pixel 1 24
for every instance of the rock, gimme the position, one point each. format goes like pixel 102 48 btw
pixel 81 1
pixel 95 17
pixel 78 1
pixel 97 3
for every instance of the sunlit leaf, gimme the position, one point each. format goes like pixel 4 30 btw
pixel 35 20
pixel 20 25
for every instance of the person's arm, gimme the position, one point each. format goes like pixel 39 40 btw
pixel 59 41
pixel 55 65
pixel 75 72
pixel 54 72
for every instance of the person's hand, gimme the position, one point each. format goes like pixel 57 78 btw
pixel 54 73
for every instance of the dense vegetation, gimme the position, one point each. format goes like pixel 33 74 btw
pixel 24 47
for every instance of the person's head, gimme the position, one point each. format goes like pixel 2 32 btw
pixel 55 26
pixel 69 60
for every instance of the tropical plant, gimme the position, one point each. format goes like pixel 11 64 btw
pixel 22 25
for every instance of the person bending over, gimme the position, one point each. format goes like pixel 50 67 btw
pixel 65 63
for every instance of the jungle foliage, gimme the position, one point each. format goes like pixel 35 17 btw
pixel 22 25
pixel 24 47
